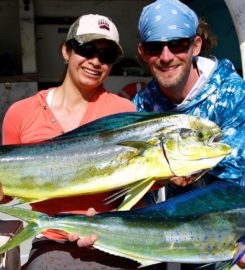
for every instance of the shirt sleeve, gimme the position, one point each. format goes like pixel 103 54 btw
pixel 232 117
pixel 11 127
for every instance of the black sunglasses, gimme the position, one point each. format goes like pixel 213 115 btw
pixel 89 50
pixel 175 46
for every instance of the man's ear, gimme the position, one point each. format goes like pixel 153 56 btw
pixel 197 45
pixel 141 52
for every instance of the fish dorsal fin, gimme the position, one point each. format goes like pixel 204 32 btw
pixel 110 123
pixel 220 196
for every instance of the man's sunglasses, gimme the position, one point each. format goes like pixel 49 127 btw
pixel 175 46
pixel 89 50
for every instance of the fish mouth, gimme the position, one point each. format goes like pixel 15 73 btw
pixel 215 138
pixel 208 147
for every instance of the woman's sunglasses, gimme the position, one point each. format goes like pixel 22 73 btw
pixel 89 50
pixel 175 46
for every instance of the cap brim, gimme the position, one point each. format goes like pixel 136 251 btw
pixel 91 37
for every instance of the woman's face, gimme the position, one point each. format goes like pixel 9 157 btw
pixel 88 64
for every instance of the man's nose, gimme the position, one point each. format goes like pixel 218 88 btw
pixel 166 55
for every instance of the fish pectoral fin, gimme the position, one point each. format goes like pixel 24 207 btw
pixel 146 262
pixel 135 193
pixel 227 265
pixel 116 195
pixel 122 192
pixel 139 145
pixel 203 266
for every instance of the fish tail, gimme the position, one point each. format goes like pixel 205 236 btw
pixel 20 213
pixel 32 229
pixel 29 231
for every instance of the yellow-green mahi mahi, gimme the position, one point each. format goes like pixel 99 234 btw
pixel 84 163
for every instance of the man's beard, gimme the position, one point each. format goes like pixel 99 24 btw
pixel 175 82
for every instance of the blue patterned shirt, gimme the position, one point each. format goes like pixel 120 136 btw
pixel 220 98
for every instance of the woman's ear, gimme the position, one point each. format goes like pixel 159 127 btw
pixel 197 45
pixel 65 52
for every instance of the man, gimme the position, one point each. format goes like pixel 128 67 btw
pixel 185 82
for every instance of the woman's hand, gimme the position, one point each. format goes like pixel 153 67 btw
pixel 3 198
pixel 87 241
pixel 1 192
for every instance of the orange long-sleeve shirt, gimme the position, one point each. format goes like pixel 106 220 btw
pixel 31 120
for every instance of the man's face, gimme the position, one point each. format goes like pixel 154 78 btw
pixel 170 63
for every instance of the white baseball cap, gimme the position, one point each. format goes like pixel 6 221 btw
pixel 93 27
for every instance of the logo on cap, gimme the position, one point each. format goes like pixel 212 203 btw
pixel 103 24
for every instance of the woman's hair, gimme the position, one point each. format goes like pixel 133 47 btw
pixel 209 40
pixel 71 43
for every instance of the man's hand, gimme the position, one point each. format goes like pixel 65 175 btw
pixel 182 180
pixel 241 263
pixel 87 241
pixel 186 180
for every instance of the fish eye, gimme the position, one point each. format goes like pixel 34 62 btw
pixel 200 135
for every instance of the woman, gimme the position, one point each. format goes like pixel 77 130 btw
pixel 91 47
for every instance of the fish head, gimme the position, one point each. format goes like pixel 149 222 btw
pixel 185 123
pixel 189 151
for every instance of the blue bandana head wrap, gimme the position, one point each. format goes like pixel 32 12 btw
pixel 166 20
